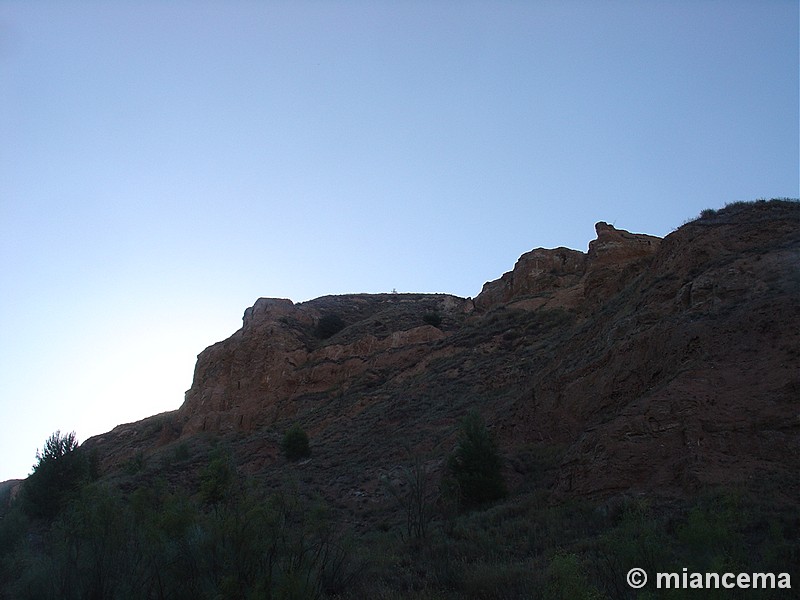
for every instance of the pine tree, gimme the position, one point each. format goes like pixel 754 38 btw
pixel 60 471
pixel 476 464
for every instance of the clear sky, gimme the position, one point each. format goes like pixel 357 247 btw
pixel 164 164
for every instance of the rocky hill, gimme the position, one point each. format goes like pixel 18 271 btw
pixel 644 365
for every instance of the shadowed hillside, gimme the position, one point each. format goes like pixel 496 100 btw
pixel 649 362
pixel 648 378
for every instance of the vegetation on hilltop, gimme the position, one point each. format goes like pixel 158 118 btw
pixel 733 208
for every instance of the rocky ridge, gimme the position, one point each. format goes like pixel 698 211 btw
pixel 643 365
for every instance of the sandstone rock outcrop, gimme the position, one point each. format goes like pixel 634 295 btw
pixel 645 365
pixel 542 277
pixel 617 247
pixel 252 378
pixel 565 278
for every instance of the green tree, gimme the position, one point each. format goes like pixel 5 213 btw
pixel 476 464
pixel 218 478
pixel 60 471
pixel 295 443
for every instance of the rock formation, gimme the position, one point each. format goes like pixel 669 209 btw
pixel 252 378
pixel 646 365
pixel 564 278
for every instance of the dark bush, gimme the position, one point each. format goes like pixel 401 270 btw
pixel 476 464
pixel 151 544
pixel 328 326
pixel 295 443
pixel 432 318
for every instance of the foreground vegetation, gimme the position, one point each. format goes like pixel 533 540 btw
pixel 230 536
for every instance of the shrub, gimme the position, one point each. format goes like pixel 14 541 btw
pixel 295 443
pixel 432 318
pixel 707 213
pixel 476 464
pixel 328 326
pixel 135 464
pixel 60 471
pixel 567 580
pixel 182 452
pixel 218 478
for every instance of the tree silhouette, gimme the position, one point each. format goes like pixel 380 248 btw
pixel 476 464
pixel 60 470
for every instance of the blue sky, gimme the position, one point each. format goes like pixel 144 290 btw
pixel 164 164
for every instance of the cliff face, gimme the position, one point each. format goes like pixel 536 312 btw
pixel 252 379
pixel 564 278
pixel 644 365
pixel 689 373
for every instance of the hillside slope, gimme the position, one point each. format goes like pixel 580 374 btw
pixel 644 365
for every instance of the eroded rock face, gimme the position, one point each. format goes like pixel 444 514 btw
pixel 617 247
pixel 251 378
pixel 615 258
pixel 651 365
pixel 564 278
pixel 689 376
pixel 539 272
